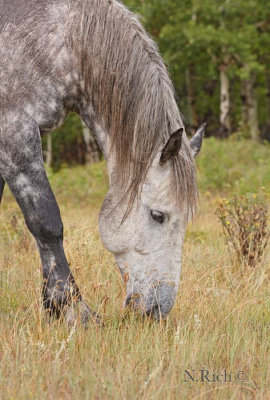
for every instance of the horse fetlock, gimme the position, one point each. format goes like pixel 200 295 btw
pixel 65 301
pixel 59 296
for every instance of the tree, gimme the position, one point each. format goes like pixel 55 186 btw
pixel 92 151
pixel 211 42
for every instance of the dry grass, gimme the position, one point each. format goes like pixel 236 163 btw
pixel 220 321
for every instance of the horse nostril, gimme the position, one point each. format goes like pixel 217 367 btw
pixel 128 300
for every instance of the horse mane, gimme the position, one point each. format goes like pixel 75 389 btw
pixel 128 86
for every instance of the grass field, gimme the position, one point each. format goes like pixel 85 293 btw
pixel 221 319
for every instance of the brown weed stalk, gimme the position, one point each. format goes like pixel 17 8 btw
pixel 244 223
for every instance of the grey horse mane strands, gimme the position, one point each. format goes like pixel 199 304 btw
pixel 129 88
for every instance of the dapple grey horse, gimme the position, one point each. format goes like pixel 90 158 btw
pixel 94 57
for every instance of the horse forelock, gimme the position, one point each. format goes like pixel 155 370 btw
pixel 127 84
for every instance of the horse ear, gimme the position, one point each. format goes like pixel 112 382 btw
pixel 196 141
pixel 172 147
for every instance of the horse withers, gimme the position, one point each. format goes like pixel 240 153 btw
pixel 93 57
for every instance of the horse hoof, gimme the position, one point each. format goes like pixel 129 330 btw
pixel 80 313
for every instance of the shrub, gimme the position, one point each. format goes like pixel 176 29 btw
pixel 244 223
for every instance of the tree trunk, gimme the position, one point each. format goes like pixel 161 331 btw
pixel 245 117
pixel 92 149
pixel 225 124
pixel 193 119
pixel 267 78
pixel 252 107
pixel 266 130
pixel 49 152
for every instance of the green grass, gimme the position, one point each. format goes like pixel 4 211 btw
pixel 221 319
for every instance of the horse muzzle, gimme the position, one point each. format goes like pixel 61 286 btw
pixel 157 304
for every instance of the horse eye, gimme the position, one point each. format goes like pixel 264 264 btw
pixel 158 216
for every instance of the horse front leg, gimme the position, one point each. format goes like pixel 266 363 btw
pixel 22 168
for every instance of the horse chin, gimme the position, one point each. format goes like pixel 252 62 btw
pixel 153 313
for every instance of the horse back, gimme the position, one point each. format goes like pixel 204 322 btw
pixel 35 62
pixel 17 11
